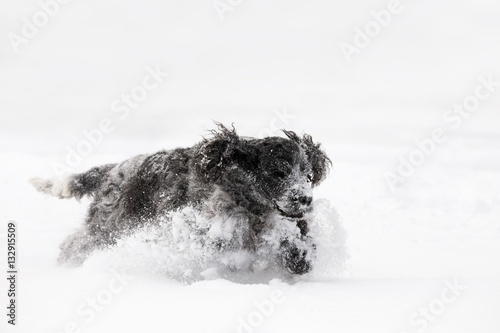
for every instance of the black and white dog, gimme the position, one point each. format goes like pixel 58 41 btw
pixel 225 175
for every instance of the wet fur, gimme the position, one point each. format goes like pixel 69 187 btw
pixel 224 175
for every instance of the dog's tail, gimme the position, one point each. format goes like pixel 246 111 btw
pixel 75 185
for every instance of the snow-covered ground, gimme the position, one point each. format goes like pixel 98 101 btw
pixel 424 248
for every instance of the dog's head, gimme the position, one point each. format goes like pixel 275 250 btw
pixel 283 170
pixel 289 168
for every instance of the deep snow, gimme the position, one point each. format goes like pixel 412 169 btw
pixel 432 243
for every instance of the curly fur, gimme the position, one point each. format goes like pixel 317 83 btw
pixel 224 175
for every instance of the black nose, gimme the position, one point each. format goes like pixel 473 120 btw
pixel 305 200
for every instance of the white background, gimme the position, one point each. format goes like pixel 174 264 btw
pixel 441 223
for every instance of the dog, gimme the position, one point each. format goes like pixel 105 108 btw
pixel 225 174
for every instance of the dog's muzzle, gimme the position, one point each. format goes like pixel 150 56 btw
pixel 295 207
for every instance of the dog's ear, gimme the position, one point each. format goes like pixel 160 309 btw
pixel 320 163
pixel 317 157
pixel 213 155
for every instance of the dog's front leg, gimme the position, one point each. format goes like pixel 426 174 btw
pixel 296 252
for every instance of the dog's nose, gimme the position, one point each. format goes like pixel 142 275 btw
pixel 304 200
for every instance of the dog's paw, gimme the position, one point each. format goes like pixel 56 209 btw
pixel 295 260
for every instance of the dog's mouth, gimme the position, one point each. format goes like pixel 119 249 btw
pixel 297 215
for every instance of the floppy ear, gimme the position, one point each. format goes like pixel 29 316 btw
pixel 317 157
pixel 320 162
pixel 213 155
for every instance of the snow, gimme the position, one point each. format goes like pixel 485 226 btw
pixel 267 65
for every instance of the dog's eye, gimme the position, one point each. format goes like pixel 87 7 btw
pixel 280 168
pixel 279 174
pixel 309 177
